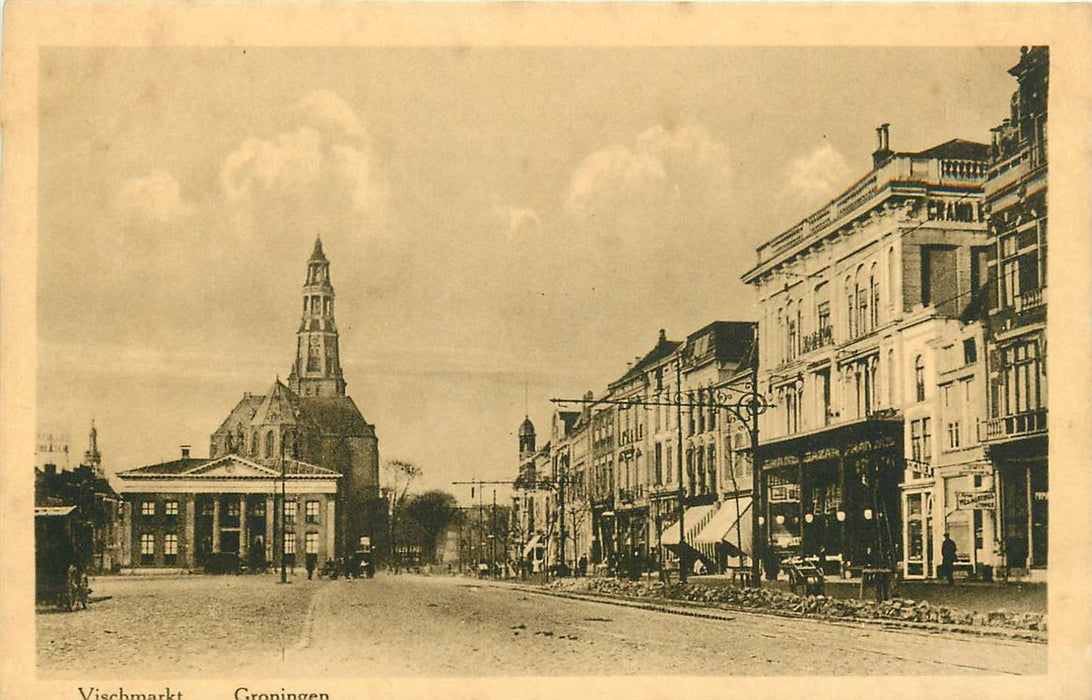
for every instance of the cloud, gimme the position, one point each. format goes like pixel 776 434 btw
pixel 817 176
pixel 155 197
pixel 626 190
pixel 517 220
pixel 326 108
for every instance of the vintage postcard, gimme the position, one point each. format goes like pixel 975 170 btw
pixel 401 350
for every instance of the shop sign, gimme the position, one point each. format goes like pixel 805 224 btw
pixel 977 469
pixel 976 500
pixel 817 455
pixel 784 494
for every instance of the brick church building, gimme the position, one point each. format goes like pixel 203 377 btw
pixel 305 437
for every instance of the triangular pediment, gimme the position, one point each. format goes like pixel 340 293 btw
pixel 232 466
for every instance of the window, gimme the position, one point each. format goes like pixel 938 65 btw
pixel 269 444
pixel 953 435
pixel 289 543
pixel 712 466
pixel 233 508
pixel 312 511
pixel 1021 377
pixel 147 508
pixel 254 444
pixel 670 471
pixel 851 326
pixel 170 547
pixel 170 508
pixel 259 508
pixel 920 440
pixel 970 352
pixel 310 543
pixel 822 311
pixel 919 378
pixel 147 548
pixel 659 465
pixel 861 293
pixel 290 512
pixel 891 278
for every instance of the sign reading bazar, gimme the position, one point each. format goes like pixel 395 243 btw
pixel 976 500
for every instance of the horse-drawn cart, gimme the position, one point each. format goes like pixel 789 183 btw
pixel 62 553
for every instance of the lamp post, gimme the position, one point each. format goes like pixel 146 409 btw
pixel 679 470
pixel 284 525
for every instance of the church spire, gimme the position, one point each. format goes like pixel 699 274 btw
pixel 92 457
pixel 317 368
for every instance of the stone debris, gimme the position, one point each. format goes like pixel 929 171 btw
pixel 810 606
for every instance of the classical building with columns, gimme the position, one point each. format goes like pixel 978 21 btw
pixel 306 432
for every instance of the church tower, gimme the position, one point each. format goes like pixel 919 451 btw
pixel 92 457
pixel 317 369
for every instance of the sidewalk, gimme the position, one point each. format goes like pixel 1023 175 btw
pixel 973 596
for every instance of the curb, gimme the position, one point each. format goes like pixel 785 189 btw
pixel 677 607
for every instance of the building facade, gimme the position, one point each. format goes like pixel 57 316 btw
pixel 308 427
pixel 1015 430
pixel 854 302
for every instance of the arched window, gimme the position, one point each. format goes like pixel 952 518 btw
pixel 891 294
pixel 851 326
pixel 874 292
pixel 919 378
pixel 254 445
pixel 860 291
pixel 269 444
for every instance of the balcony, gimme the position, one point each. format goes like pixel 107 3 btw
pixel 632 495
pixel 819 339
pixel 1029 299
pixel 1016 425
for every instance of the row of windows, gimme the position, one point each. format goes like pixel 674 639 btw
pixel 170 544
pixel 312 509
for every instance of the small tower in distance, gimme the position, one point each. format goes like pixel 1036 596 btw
pixel 526 439
pixel 317 368
pixel 92 457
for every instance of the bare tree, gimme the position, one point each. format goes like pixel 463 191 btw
pixel 397 477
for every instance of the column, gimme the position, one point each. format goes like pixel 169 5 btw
pixel 215 523
pixel 330 515
pixel 190 542
pixel 244 541
pixel 269 515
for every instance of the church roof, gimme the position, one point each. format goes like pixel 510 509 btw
pixel 526 427
pixel 280 406
pixel 242 413
pixel 334 415
pixel 317 255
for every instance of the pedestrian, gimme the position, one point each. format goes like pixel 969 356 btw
pixel 582 566
pixel 312 562
pixel 948 558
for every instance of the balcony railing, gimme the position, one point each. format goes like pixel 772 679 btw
pixel 1016 425
pixel 819 339
pixel 631 495
pixel 1029 299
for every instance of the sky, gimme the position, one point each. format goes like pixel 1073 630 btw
pixel 504 226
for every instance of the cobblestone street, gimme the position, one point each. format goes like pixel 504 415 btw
pixel 179 626
pixel 440 626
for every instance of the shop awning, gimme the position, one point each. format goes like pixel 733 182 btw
pixel 728 527
pixel 693 516
pixel 531 544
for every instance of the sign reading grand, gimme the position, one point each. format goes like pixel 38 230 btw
pixel 976 500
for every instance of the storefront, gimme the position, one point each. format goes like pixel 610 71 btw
pixel 835 493
pixel 1024 504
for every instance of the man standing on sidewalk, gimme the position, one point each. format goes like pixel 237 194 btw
pixel 948 558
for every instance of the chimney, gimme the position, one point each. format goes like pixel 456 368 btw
pixel 663 335
pixel 185 451
pixel 883 151
pixel 51 469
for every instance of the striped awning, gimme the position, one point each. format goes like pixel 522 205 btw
pixel 732 528
pixel 694 515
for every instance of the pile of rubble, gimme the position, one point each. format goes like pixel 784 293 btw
pixel 810 606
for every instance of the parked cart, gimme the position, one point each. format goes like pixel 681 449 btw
pixel 62 548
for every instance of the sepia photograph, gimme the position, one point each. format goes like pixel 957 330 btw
pixel 465 358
